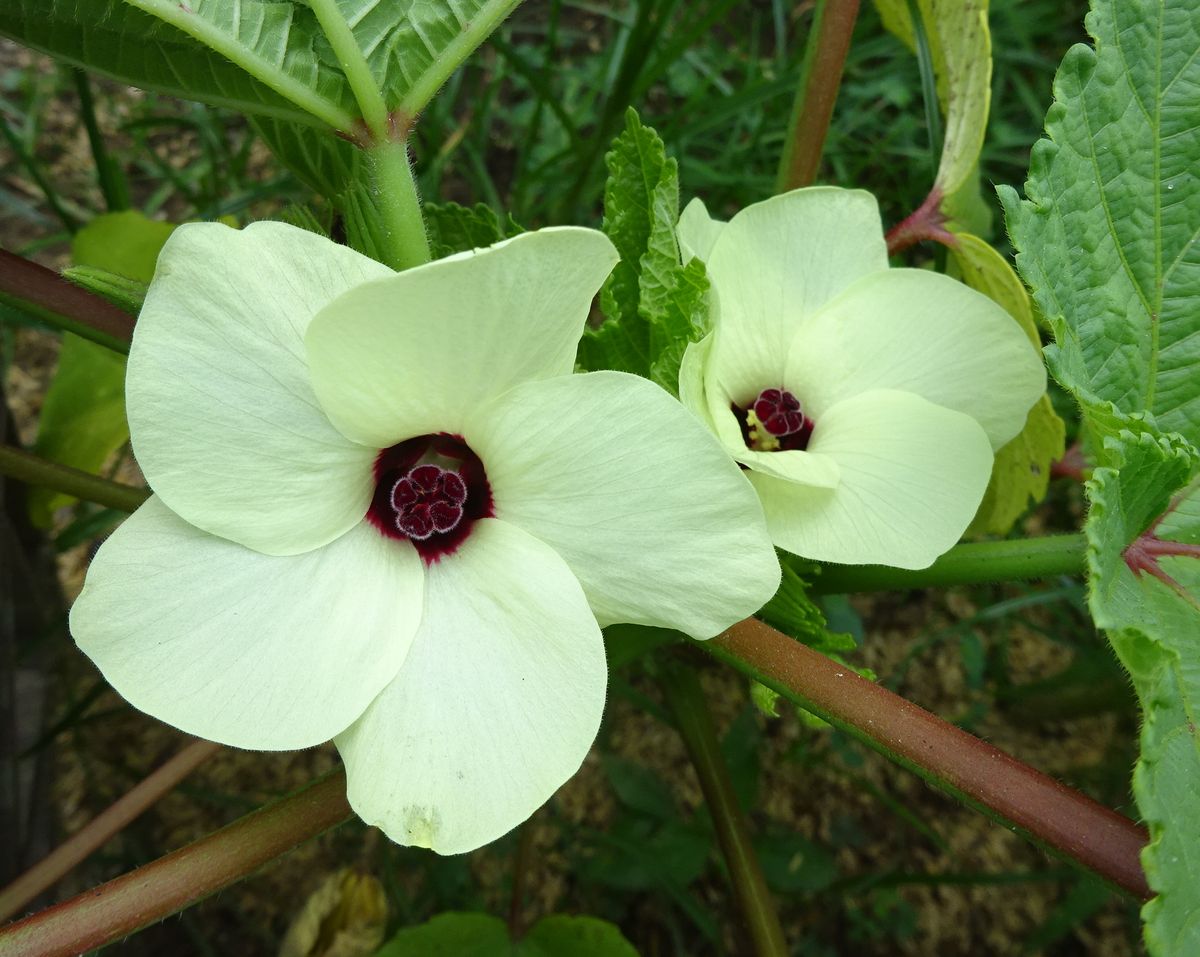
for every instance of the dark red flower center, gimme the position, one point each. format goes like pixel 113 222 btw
pixel 779 412
pixel 430 491
pixel 774 422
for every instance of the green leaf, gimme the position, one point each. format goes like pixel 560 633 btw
pixel 269 59
pixel 1106 238
pixel 1152 625
pixel 452 935
pixel 455 229
pixel 83 417
pixel 655 305
pixel 412 55
pixel 327 164
pixel 259 57
pixel 961 48
pixel 481 935
pixel 794 613
pixel 1021 472
pixel 563 936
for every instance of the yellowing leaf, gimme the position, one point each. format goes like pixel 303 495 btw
pixel 83 417
pixel 961 48
pixel 1022 468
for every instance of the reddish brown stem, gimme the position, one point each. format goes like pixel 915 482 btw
pixel 824 61
pixel 97 831
pixel 1046 810
pixel 926 222
pixel 45 294
pixel 134 900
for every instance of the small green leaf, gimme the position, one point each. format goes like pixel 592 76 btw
pixel 452 935
pixel 563 936
pixel 83 417
pixel 1106 238
pixel 455 229
pixel 654 304
pixel 961 47
pixel 1152 623
pixel 1021 472
pixel 481 935
pixel 794 613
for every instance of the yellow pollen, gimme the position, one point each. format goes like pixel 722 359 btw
pixel 760 439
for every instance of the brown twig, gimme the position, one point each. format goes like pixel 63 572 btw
pixel 1046 810
pixel 97 831
pixel 134 900
pixel 824 61
pixel 45 294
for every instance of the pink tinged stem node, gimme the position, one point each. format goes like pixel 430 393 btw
pixel 926 222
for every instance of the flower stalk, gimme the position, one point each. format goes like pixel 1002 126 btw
pixel 1050 813
pixel 684 696
pixel 130 902
pixel 970 563
pixel 100 829
pixel 824 61
pixel 34 470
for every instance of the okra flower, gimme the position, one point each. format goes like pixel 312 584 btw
pixel 387 512
pixel 865 402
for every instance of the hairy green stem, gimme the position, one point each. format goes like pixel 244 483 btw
pixel 970 563
pixel 34 470
pixel 354 65
pixel 820 78
pixel 64 858
pixel 157 890
pixel 982 776
pixel 406 241
pixel 684 696
pixel 45 295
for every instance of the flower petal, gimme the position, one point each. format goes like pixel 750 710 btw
pixel 455 332
pixel 774 265
pixel 697 231
pixel 653 518
pixel 925 333
pixel 252 650
pixel 224 423
pixel 496 706
pixel 912 475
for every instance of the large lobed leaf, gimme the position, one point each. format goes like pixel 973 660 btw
pixel 263 58
pixel 1153 626
pixel 1107 241
pixel 1107 236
